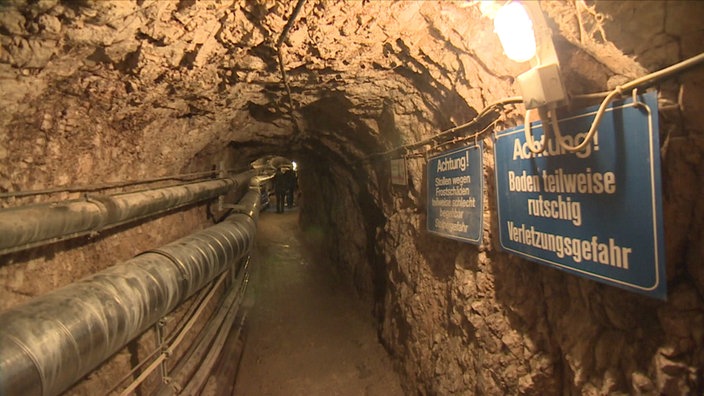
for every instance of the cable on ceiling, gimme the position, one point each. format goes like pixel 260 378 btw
pixel 489 109
pixel 279 54
pixel 108 186
pixel 619 91
pixel 608 96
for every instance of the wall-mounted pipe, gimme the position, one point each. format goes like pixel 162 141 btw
pixel 35 225
pixel 52 341
pixel 250 205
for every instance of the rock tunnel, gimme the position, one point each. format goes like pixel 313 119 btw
pixel 104 97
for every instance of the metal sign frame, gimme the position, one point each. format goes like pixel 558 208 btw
pixel 629 218
pixel 456 209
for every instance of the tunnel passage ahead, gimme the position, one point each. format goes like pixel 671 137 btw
pixel 306 333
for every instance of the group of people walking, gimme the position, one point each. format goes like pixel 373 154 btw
pixel 285 184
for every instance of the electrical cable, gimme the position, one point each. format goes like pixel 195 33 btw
pixel 474 136
pixel 97 187
pixel 282 67
pixel 619 90
pixel 107 186
pixel 608 97
pixel 592 130
pixel 169 351
pixel 530 142
pixel 475 120
pixel 187 317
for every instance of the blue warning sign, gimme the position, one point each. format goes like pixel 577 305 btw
pixel 596 213
pixel 455 191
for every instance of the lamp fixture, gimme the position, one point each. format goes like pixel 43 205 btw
pixel 525 36
pixel 515 30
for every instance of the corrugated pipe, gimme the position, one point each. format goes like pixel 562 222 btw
pixel 52 341
pixel 35 225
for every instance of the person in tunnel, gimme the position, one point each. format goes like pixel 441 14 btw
pixel 280 190
pixel 291 185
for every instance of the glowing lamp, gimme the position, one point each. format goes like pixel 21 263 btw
pixel 515 30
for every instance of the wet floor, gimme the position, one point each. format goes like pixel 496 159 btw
pixel 306 334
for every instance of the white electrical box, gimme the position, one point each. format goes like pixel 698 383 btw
pixel 541 86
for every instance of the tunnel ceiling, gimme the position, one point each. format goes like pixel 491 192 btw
pixel 102 89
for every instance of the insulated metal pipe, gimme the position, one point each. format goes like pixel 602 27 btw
pixel 52 341
pixel 30 226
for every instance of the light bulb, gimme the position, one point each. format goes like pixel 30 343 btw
pixel 515 30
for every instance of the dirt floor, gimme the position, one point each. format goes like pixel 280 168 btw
pixel 306 334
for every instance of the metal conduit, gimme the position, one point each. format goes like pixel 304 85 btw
pixel 52 341
pixel 35 225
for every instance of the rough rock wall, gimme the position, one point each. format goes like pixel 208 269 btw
pixel 472 320
pixel 121 87
pixel 477 321
pixel 127 89
pixel 96 92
